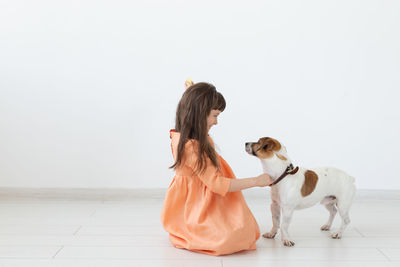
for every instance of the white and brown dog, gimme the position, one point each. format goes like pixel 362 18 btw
pixel 299 188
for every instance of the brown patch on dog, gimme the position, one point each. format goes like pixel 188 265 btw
pixel 310 182
pixel 264 154
pixel 281 157
pixel 265 147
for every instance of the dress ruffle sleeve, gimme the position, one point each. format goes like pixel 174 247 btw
pixel 210 176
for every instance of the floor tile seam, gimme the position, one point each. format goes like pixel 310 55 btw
pixel 44 234
pixel 87 246
pixel 83 235
pixel 31 245
pixel 141 235
pixel 159 235
pixel 358 231
pixel 105 259
pixel 195 259
pixel 153 246
pixel 75 225
pixel 169 246
pixel 27 258
pixel 180 259
pixel 347 247
pixel 124 225
pixel 77 231
pixel 57 252
pixel 387 257
pixel 81 225
pixel 306 260
pixel 38 224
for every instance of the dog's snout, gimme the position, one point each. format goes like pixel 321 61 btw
pixel 248 147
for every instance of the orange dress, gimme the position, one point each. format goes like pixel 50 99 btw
pixel 200 214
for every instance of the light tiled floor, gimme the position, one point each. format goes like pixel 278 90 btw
pixel 54 232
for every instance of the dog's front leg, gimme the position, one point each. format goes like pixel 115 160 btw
pixel 276 218
pixel 286 218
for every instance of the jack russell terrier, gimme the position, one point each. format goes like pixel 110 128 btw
pixel 299 188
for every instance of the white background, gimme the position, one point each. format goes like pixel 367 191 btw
pixel 88 89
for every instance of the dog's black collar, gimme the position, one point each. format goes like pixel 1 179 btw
pixel 289 170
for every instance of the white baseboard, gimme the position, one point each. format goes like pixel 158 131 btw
pixel 82 193
pixel 151 193
pixel 360 195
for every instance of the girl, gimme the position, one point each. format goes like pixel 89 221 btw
pixel 204 209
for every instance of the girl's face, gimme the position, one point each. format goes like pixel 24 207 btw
pixel 212 118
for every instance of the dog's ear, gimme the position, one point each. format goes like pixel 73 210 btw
pixel 265 143
pixel 269 144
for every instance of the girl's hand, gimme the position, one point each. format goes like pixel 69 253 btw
pixel 244 183
pixel 188 83
pixel 264 180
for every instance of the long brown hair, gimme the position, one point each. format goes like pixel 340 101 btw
pixel 191 121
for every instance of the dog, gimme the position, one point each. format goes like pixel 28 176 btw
pixel 300 188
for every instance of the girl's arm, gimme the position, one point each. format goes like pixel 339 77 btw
pixel 244 183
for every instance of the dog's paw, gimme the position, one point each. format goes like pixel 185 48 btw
pixel 336 235
pixel 325 227
pixel 288 243
pixel 269 235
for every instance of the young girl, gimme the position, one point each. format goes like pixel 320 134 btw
pixel 204 209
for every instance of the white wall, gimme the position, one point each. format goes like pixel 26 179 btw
pixel 88 89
